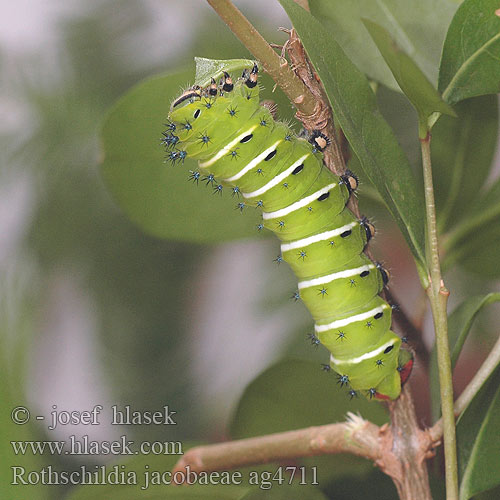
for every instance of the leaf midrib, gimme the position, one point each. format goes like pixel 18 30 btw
pixel 467 63
pixel 394 22
pixel 458 169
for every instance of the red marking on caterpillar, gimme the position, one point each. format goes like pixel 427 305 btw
pixel 405 371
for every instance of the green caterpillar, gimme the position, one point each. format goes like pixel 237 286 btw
pixel 237 140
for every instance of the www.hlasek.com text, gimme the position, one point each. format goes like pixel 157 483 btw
pixel 85 446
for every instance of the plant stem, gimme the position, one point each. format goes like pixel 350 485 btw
pixel 438 297
pixel 400 451
pixel 322 119
pixel 279 71
pixel 410 447
pixel 357 436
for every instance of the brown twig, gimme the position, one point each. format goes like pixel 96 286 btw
pixel 356 436
pixel 272 63
pixel 410 448
pixel 322 118
pixel 397 450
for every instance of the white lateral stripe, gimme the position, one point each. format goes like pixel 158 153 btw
pixel 226 148
pixel 276 180
pixel 253 163
pixel 285 247
pixel 363 357
pixel 352 319
pixel 298 204
pixel 334 276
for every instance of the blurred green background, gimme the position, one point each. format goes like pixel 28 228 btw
pixel 93 310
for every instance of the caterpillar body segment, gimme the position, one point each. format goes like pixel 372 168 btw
pixel 238 144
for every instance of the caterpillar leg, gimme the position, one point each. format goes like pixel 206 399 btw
pixel 392 385
pixel 405 364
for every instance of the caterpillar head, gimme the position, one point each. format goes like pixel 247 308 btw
pixel 190 95
pixel 189 105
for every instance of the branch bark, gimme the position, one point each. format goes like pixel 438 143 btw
pixel 356 436
pixel 400 450
pixel 322 118
pixel 281 73
pixel 410 449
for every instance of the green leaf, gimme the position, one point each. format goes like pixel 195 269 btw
pixel 478 440
pixel 471 53
pixel 9 432
pixel 475 241
pixel 369 135
pixel 405 20
pixel 462 157
pixel 493 494
pixel 459 325
pixel 14 359
pixel 481 255
pixel 410 78
pixel 206 69
pixel 372 486
pixel 156 196
pixel 461 319
pixel 294 394
pixel 132 492
pixel 403 119
pixel 274 491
